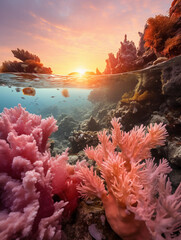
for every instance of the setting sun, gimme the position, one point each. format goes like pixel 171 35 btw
pixel 81 71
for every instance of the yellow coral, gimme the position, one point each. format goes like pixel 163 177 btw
pixel 146 95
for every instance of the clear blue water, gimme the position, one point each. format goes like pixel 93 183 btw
pixel 48 100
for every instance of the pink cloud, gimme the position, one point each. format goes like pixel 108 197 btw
pixel 73 26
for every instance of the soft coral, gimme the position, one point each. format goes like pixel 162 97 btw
pixel 137 198
pixel 29 177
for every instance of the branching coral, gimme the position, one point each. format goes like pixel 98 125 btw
pixel 64 182
pixel 146 95
pixel 25 55
pixel 29 177
pixel 30 63
pixel 137 197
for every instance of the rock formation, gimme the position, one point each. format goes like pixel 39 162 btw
pixel 128 58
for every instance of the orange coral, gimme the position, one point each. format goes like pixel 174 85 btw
pixel 157 33
pixel 146 95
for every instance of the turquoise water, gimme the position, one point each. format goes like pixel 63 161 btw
pixel 84 93
pixel 46 100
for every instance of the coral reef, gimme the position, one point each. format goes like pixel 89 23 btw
pixel 30 63
pixel 138 197
pixel 31 180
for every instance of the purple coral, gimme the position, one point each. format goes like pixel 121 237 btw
pixel 27 209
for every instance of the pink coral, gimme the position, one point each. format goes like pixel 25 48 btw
pixel 64 184
pixel 28 176
pixel 137 198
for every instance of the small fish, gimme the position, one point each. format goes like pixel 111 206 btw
pixel 18 89
pixel 29 91
pixel 65 93
pixel 22 97
pixel 52 96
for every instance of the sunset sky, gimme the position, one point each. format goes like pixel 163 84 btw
pixel 71 34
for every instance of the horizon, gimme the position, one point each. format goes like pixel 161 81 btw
pixel 73 34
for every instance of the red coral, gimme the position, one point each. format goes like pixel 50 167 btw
pixel 64 184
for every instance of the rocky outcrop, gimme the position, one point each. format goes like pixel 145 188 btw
pixel 128 58
pixel 124 58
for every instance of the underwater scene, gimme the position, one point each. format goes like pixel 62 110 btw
pixel 90 142
pixel 76 110
pixel 70 100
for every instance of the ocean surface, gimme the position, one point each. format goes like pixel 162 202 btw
pixel 56 94
pixel 71 96
pixel 49 89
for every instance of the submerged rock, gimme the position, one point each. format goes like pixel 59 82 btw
pixel 171 80
pixel 89 223
pixel 90 125
pixel 174 152
pixel 65 127
pixel 80 139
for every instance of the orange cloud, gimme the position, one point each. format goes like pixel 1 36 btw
pixel 70 34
